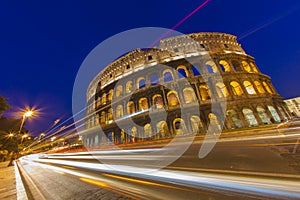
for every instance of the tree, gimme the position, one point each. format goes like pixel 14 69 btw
pixel 3 105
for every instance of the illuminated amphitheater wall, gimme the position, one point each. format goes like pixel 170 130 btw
pixel 251 98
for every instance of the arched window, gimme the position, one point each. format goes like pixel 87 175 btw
pixel 236 88
pixel 196 71
pixel 162 129
pixel 225 66
pixel 103 98
pixel 102 118
pixel 141 83
pixel 251 120
pixel 196 124
pixel 204 92
pixel 182 72
pixel 130 107
pixel 211 67
pixel 157 101
pixel 249 87
pixel 274 113
pixel 110 95
pixel 254 68
pixel 259 87
pixel 282 113
pixel 154 80
pixel 110 115
pixel 119 111
pixel 129 87
pixel 222 90
pixel 267 87
pixel 134 134
pixel 246 66
pixel 168 76
pixel 263 115
pixel 172 98
pixel 236 121
pixel 143 104
pixel 147 131
pixel 179 126
pixel 119 91
pixel 98 101
pixel 189 95
pixel 214 125
pixel 236 65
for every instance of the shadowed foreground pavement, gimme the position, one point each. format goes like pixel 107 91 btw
pixel 7 182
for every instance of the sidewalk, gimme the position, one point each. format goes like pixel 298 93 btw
pixel 7 182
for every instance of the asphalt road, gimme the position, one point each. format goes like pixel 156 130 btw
pixel 236 168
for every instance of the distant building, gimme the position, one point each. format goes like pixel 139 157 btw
pixel 251 98
pixel 294 106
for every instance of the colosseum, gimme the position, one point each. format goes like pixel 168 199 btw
pixel 136 88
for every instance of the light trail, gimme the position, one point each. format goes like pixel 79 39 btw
pixel 269 22
pixel 179 23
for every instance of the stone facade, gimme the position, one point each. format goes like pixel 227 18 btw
pixel 217 70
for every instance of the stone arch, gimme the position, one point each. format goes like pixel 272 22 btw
pixel 259 87
pixel 196 71
pixel 157 101
pixel 214 123
pixel 110 116
pixel 103 100
pixel 143 104
pixel 189 95
pixel 282 113
pixel 204 92
pixel 196 124
pixel 110 95
pixel 249 116
pixel 147 131
pixel 130 107
pixel 119 90
pixel 141 83
pixel 267 87
pixel 102 118
pixel 274 114
pixel 179 126
pixel 235 119
pixel 182 71
pixel 129 87
pixel 172 98
pixel 263 115
pixel 222 90
pixel 236 88
pixel 211 67
pixel 253 67
pixel 168 75
pixel 119 111
pixel 225 66
pixel 162 129
pixel 249 87
pixel 246 66
pixel 154 79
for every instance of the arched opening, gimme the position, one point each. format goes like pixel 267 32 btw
pixel 168 76
pixel 103 98
pixel 147 131
pixel 236 65
pixel 249 87
pixel 211 67
pixel 172 98
pixel 282 113
pixel 179 126
pixel 263 115
pixel 102 118
pixel 214 124
pixel 251 120
pixel 98 101
pixel 246 66
pixel 225 66
pixel 259 87
pixel 119 111
pixel 204 92
pixel 130 107
pixel 182 72
pixel 267 88
pixel 221 90
pixel 129 87
pixel 134 134
pixel 196 124
pixel 110 117
pixel 110 95
pixel 157 101
pixel 254 68
pixel 196 71
pixel 141 83
pixel 154 80
pixel 143 104
pixel 162 129
pixel 189 95
pixel 119 90
pixel 236 121
pixel 236 88
pixel 274 114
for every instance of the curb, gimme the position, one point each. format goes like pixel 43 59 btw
pixel 21 192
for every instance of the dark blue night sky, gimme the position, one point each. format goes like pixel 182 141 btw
pixel 43 43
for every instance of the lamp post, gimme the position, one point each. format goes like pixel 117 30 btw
pixel 26 114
